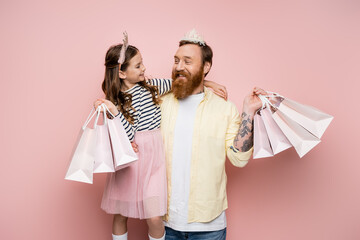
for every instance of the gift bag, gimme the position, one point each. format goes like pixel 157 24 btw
pixel 262 146
pixel 82 162
pixel 123 152
pixel 103 153
pixel 278 140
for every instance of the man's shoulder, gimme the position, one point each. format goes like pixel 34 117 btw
pixel 167 101
pixel 220 102
pixel 167 97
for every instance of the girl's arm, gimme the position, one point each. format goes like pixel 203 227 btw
pixel 218 89
pixel 113 109
pixel 164 86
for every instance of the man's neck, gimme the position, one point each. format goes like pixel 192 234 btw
pixel 199 89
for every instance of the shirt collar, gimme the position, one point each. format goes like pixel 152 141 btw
pixel 206 93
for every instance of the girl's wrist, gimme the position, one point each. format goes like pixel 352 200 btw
pixel 115 112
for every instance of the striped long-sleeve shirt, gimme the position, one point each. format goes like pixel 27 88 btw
pixel 147 115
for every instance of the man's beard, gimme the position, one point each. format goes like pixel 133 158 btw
pixel 184 88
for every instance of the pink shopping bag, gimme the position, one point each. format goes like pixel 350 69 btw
pixel 312 119
pixel 82 161
pixel 104 161
pixel 292 122
pixel 278 140
pixel 302 140
pixel 262 146
pixel 123 152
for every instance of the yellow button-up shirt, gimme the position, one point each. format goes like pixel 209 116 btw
pixel 216 125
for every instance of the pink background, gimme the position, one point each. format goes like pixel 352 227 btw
pixel 51 59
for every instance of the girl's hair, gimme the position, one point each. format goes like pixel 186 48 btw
pixel 112 82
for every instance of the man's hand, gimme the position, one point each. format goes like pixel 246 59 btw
pixel 252 102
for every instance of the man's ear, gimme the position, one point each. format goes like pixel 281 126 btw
pixel 122 75
pixel 207 67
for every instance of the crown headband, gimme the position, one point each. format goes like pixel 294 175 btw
pixel 195 37
pixel 123 48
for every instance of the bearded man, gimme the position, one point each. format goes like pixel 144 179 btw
pixel 199 130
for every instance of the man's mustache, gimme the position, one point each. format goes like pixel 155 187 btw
pixel 178 73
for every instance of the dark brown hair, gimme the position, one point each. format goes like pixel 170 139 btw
pixel 112 83
pixel 206 52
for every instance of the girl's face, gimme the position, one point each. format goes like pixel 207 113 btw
pixel 134 72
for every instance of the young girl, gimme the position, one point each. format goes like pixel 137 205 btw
pixel 137 191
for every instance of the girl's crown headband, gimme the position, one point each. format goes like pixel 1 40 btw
pixel 123 48
pixel 195 37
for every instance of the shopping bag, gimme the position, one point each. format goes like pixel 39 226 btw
pixel 278 140
pixel 312 119
pixel 82 161
pixel 103 153
pixel 302 140
pixel 262 146
pixel 123 152
pixel 298 122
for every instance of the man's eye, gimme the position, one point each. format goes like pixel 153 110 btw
pixel 187 62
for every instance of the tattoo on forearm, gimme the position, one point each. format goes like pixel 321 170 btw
pixel 245 134
pixel 247 145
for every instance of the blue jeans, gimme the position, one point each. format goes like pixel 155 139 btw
pixel 172 234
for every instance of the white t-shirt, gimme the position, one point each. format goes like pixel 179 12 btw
pixel 181 167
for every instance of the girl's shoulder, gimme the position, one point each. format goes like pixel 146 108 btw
pixel 134 88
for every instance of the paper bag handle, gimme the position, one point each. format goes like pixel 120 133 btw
pixel 107 109
pixel 91 115
pixel 266 102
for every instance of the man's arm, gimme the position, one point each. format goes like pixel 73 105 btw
pixel 243 141
pixel 244 138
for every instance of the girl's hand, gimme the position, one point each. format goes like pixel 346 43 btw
pixel 218 89
pixel 113 109
pixel 252 102
pixel 135 147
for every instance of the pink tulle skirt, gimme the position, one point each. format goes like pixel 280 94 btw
pixel 139 191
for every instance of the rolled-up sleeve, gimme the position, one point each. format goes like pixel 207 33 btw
pixel 236 157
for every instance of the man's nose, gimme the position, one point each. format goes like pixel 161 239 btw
pixel 180 66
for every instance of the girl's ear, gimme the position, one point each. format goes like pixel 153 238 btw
pixel 122 74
